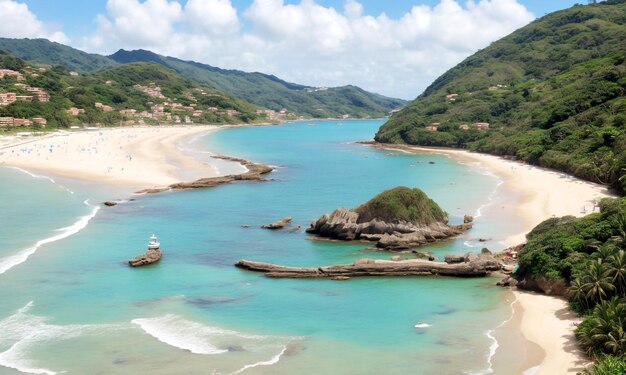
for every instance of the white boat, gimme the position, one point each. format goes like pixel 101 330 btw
pixel 154 243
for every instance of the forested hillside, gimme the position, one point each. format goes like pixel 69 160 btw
pixel 551 93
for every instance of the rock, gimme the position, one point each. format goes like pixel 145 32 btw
pixel 396 258
pixel 468 219
pixel 476 266
pixel 340 278
pixel 149 257
pixel 280 224
pixel 454 258
pixel 255 173
pixel 246 226
pixel 110 203
pixel 507 281
pixel 431 162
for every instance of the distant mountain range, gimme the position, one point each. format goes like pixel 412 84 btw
pixel 552 93
pixel 260 89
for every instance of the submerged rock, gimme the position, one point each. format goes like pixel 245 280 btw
pixel 397 219
pixel 110 203
pixel 280 224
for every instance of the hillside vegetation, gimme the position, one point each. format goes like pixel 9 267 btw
pixel 133 93
pixel 402 204
pixel 271 92
pixel 264 90
pixel 552 93
pixel 588 257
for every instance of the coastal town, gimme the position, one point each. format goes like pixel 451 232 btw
pixel 161 109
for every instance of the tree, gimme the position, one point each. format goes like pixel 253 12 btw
pixel 597 282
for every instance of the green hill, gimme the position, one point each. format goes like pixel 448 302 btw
pixel 261 89
pixel 552 92
pixel 45 52
pixel 402 204
pixel 271 92
pixel 131 93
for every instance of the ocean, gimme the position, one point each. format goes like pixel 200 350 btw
pixel 71 305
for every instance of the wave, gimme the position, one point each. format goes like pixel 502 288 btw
pixel 202 339
pixel 21 256
pixel 22 330
pixel 493 348
pixel 269 362
pixel 34 175
pixel 183 334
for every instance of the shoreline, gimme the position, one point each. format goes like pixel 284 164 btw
pixel 541 193
pixel 135 158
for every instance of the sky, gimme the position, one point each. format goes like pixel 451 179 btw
pixel 392 47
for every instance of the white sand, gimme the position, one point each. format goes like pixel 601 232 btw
pixel 545 321
pixel 138 156
pixel 548 322
pixel 544 193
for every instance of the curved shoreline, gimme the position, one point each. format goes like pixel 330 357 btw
pixel 148 159
pixel 543 193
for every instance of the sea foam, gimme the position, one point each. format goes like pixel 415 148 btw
pixel 20 257
pixel 22 330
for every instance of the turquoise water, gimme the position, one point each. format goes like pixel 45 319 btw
pixel 74 306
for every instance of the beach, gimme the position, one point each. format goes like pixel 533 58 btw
pixel 140 157
pixel 144 157
pixel 545 321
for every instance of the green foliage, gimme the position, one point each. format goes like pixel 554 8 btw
pixel 42 51
pixel 553 92
pixel 115 87
pixel 608 365
pixel 603 332
pixel 271 92
pixel 402 204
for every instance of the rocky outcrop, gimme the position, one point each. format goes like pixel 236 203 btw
pixel 149 257
pixel 110 203
pixel 255 173
pixel 343 224
pixel 280 224
pixel 476 266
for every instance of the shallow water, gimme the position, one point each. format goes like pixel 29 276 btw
pixel 74 306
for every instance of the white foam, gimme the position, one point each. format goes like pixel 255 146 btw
pixel 34 175
pixel 23 330
pixel 21 256
pixel 183 334
pixel 269 362
pixel 493 348
pixel 531 371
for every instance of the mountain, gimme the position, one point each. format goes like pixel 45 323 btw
pixel 271 92
pixel 552 94
pixel 43 51
pixel 261 89
pixel 133 93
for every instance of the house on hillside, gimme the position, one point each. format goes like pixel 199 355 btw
pixel 481 125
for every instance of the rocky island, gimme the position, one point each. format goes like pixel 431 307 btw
pixel 396 219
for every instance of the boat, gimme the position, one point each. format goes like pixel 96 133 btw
pixel 154 243
pixel 422 325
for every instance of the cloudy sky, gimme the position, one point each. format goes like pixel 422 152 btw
pixel 393 47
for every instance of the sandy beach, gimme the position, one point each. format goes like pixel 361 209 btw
pixel 545 321
pixel 141 157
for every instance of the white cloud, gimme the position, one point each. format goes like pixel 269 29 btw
pixel 212 16
pixel 19 22
pixel 312 44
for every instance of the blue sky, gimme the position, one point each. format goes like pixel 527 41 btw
pixel 312 42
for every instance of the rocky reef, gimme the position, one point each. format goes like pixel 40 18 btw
pixel 149 257
pixel 280 224
pixel 473 265
pixel 397 219
pixel 255 173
